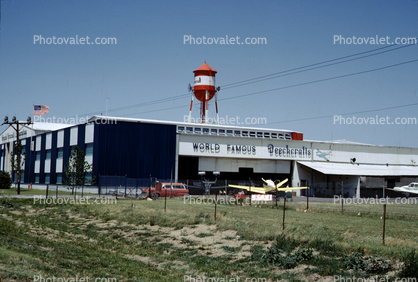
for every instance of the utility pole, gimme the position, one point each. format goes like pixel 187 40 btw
pixel 17 123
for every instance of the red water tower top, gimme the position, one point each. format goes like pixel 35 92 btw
pixel 204 83
pixel 204 70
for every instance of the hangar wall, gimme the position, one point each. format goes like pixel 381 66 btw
pixel 233 165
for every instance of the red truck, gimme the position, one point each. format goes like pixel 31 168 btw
pixel 163 190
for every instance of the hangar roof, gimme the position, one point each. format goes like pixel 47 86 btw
pixel 361 169
pixel 123 119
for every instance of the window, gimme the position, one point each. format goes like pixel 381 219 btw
pixel 229 132
pixel 89 149
pixel 88 179
pixel 245 133
pixel 72 148
pixel 252 134
pixel 198 130
pixel 47 178
pixel 221 131
pixel 60 153
pixel 214 131
pixel 48 155
pixel 180 128
pixel 259 134
pixel 281 136
pixel 189 129
pixel 273 135
pixel 266 134
pixel 205 130
pixel 237 133
pixel 288 136
pixel 37 178
pixel 38 156
pixel 59 178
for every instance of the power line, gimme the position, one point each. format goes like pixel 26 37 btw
pixel 294 71
pixel 296 85
pixel 320 80
pixel 271 76
pixel 301 69
pixel 352 113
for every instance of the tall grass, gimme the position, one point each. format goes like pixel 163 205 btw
pixel 106 240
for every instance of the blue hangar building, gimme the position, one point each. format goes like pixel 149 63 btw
pixel 140 149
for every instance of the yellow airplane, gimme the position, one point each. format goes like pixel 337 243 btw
pixel 268 187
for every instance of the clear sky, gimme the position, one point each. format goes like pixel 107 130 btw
pixel 145 73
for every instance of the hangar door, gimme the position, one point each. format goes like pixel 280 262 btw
pixel 233 165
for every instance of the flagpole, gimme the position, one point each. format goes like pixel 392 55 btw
pixel 30 146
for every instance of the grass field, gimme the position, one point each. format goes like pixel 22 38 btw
pixel 137 241
pixel 51 192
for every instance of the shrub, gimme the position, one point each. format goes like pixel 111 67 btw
pixel 279 257
pixel 287 244
pixel 5 180
pixel 410 268
pixel 372 264
pixel 325 247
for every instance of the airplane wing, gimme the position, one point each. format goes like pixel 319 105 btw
pixel 281 183
pixel 260 190
pixel 291 188
pixel 263 190
pixel 403 190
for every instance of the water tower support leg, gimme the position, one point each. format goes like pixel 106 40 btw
pixel 190 112
pixel 206 105
pixel 216 106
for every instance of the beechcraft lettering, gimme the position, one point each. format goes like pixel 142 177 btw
pixel 287 152
pixel 206 147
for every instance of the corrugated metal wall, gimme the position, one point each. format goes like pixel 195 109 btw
pixel 137 150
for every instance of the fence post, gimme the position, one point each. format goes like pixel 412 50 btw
pixel 98 185
pixel 284 209
pixel 251 194
pixel 226 190
pixel 384 223
pixel 216 199
pixel 150 185
pixel 342 195
pixel 126 176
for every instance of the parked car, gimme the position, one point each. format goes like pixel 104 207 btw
pixel 164 189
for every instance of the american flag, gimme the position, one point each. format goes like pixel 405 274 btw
pixel 40 110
